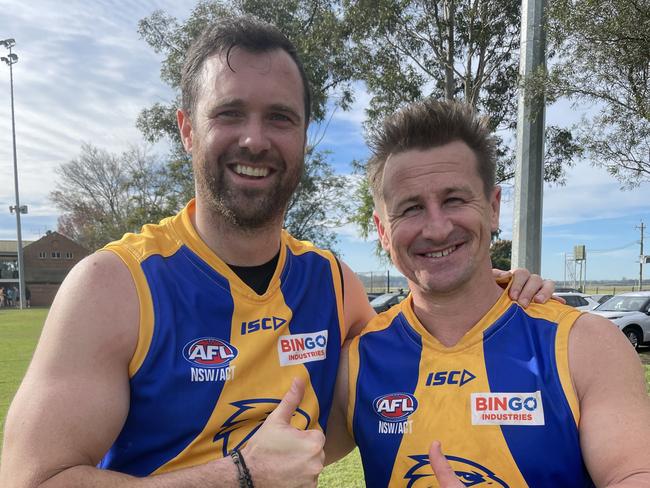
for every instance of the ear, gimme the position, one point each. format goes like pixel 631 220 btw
pixel 495 203
pixel 185 128
pixel 381 230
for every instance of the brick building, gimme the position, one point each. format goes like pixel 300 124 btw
pixel 47 262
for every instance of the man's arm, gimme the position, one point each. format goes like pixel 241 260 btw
pixel 338 441
pixel 614 405
pixel 356 307
pixel 74 399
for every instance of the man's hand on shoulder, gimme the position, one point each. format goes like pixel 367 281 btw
pixel 526 287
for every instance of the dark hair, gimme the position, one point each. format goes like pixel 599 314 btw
pixel 246 32
pixel 429 124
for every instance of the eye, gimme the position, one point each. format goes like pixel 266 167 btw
pixel 454 201
pixel 280 117
pixel 230 114
pixel 412 209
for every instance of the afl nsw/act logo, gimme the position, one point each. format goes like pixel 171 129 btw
pixel 209 352
pixel 395 407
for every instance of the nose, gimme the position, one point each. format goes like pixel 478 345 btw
pixel 438 225
pixel 253 137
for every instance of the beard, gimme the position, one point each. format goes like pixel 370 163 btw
pixel 247 208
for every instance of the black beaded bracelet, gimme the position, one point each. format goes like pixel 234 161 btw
pixel 245 480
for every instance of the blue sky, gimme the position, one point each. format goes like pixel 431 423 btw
pixel 84 75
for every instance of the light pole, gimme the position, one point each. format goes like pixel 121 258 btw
pixel 12 59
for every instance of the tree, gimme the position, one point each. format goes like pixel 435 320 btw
pixel 103 195
pixel 500 254
pixel 452 49
pixel 317 32
pixel 603 58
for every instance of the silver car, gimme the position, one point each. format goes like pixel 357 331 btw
pixel 631 313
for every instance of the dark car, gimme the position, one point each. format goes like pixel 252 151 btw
pixel 387 300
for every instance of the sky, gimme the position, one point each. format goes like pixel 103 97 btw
pixel 84 74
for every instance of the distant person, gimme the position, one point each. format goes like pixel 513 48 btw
pixel 2 296
pixel 543 397
pixel 28 297
pixel 223 317
pixel 10 296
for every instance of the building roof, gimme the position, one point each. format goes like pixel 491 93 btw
pixel 11 246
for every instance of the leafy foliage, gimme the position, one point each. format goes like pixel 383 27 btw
pixel 603 58
pixel 453 49
pixel 500 253
pixel 104 195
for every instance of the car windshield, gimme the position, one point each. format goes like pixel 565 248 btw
pixel 623 304
pixel 382 299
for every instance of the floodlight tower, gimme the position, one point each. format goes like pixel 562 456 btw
pixel 12 59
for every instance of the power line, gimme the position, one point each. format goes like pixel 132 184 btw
pixel 603 251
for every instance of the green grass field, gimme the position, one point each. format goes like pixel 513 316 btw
pixel 19 331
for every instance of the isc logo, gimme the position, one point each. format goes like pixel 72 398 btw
pixel 450 378
pixel 266 323
pixel 395 407
pixel 209 352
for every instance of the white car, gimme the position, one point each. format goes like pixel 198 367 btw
pixel 631 313
pixel 578 300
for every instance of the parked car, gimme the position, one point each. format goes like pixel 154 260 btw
pixel 387 300
pixel 578 300
pixel 372 295
pixel 631 313
pixel 566 290
pixel 601 298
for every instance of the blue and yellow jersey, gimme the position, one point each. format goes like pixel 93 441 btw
pixel 213 358
pixel 501 401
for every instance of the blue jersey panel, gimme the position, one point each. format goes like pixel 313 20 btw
pixel 161 395
pixel 299 274
pixel 520 357
pixel 395 353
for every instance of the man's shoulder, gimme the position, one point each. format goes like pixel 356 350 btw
pixel 161 238
pixel 553 311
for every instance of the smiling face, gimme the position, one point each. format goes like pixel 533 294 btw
pixel 435 219
pixel 247 136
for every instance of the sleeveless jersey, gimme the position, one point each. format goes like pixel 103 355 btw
pixel 213 358
pixel 501 400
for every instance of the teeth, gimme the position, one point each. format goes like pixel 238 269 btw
pixel 440 254
pixel 255 171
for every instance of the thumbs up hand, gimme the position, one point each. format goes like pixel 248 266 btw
pixel 281 455
pixel 441 468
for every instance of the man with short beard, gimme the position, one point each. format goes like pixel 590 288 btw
pixel 202 351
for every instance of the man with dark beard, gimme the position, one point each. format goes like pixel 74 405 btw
pixel 202 351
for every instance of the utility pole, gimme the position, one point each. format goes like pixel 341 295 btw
pixel 529 171
pixel 641 256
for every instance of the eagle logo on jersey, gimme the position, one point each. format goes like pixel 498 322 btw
pixel 248 418
pixel 468 472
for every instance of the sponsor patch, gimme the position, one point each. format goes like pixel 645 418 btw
pixel 302 348
pixel 507 408
pixel 210 358
pixel 265 323
pixel 459 378
pixel 394 409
